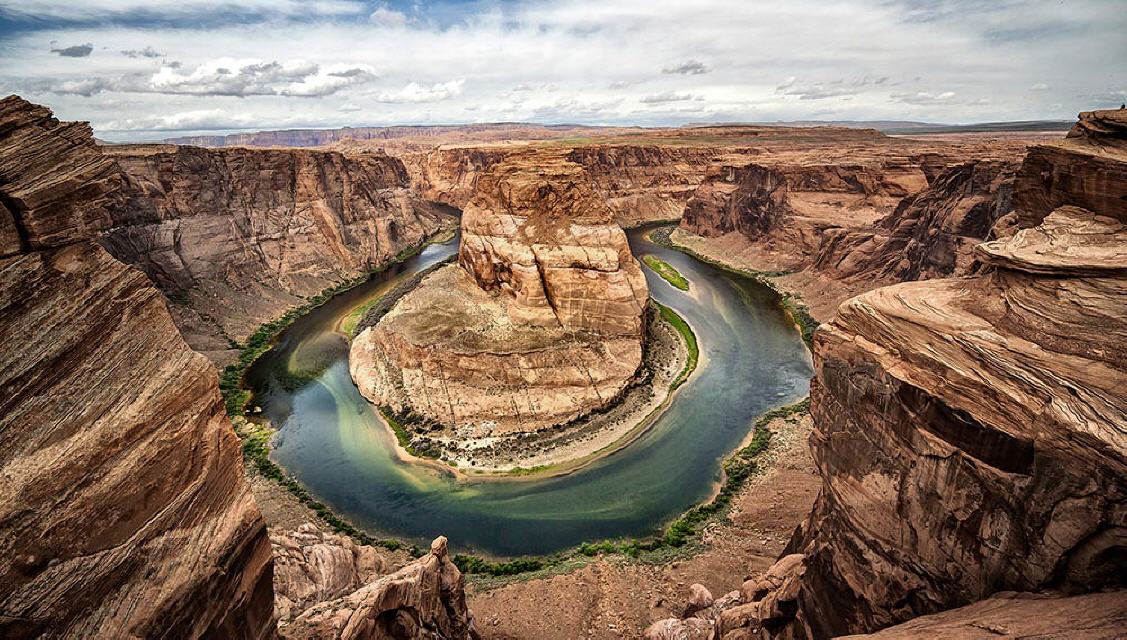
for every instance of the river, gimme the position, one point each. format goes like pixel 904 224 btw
pixel 333 442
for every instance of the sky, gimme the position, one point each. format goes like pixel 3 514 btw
pixel 150 69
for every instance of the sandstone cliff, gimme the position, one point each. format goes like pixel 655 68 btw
pixel 237 236
pixel 931 234
pixel 971 433
pixel 541 321
pixel 124 509
pixel 423 600
pixel 646 182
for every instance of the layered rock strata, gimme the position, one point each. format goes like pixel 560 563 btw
pixel 971 434
pixel 123 507
pixel 931 234
pixel 541 320
pixel 236 236
pixel 425 599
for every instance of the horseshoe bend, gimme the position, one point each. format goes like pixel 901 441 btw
pixel 718 379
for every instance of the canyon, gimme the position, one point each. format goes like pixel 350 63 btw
pixel 969 432
pixel 540 322
pixel 967 457
pixel 125 508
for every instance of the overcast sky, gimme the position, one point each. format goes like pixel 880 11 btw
pixel 144 69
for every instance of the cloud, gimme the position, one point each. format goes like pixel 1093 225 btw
pixel 689 67
pixel 387 17
pixel 826 89
pixel 924 97
pixel 228 77
pixel 668 96
pixel 415 92
pixel 76 51
pixel 147 52
pixel 1040 86
pixel 348 108
pixel 196 120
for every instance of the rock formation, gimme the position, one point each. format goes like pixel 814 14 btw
pixel 931 234
pixel 541 321
pixel 971 433
pixel 1092 616
pixel 240 235
pixel 426 599
pixel 311 567
pixel 124 509
pixel 645 182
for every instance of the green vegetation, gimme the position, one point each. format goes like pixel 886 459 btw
pixel 235 397
pixel 398 422
pixel 668 272
pixel 682 327
pixel 348 325
pixel 790 302
pixel 526 471
pixel 738 468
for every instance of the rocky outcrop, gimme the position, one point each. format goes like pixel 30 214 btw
pixel 123 507
pixel 55 181
pixel 646 183
pixel 425 599
pixel 236 236
pixel 311 567
pixel 748 199
pixel 931 234
pixel 1093 616
pixel 971 435
pixel 1085 170
pixel 541 321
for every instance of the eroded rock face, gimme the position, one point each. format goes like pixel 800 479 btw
pixel 1093 616
pixel 240 235
pixel 646 183
pixel 971 435
pixel 931 234
pixel 1085 170
pixel 424 600
pixel 542 319
pixel 749 199
pixel 311 566
pixel 123 507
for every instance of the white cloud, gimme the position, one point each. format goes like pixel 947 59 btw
pixel 1040 86
pixel 668 96
pixel 924 97
pixel 689 67
pixel 568 60
pixel 387 17
pixel 415 92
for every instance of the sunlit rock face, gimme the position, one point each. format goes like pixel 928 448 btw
pixel 123 508
pixel 237 236
pixel 541 320
pixel 971 432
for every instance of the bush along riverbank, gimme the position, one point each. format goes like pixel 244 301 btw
pixel 690 338
pixel 791 303
pixel 668 272
pixel 235 396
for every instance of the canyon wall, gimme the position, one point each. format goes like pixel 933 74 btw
pixel 124 509
pixel 646 182
pixel 931 234
pixel 235 237
pixel 541 321
pixel 971 433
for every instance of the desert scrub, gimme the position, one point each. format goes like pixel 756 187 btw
pixel 690 338
pixel 668 272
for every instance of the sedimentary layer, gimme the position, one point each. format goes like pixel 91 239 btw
pixel 123 507
pixel 541 321
pixel 971 435
pixel 236 236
